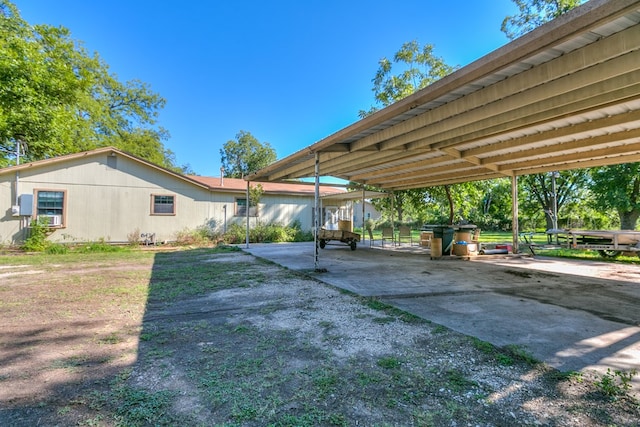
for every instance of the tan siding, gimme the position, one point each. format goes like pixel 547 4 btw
pixel 107 203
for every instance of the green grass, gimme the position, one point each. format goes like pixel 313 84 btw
pixel 136 406
pixel 186 277
pixel 43 259
pixel 246 375
pixel 541 239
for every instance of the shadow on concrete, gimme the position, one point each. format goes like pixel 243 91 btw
pixel 570 314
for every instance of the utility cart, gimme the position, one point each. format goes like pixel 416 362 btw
pixel 344 236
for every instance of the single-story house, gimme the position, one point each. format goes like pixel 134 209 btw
pixel 112 195
pixel 370 212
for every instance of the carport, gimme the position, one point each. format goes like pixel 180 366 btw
pixel 564 96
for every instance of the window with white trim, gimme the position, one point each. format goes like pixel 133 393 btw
pixel 163 204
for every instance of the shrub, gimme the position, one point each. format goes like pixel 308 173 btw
pixel 197 237
pixel 235 234
pixel 37 240
pixel 134 237
pixel 262 233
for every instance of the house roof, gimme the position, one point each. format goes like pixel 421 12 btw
pixel 210 183
pixel 564 96
pixel 91 153
pixel 237 184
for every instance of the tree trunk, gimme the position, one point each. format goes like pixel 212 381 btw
pixel 629 219
pixel 547 217
pixel 447 189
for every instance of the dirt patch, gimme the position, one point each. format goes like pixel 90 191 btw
pixel 205 338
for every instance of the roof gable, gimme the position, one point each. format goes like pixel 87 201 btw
pixel 108 151
pixel 209 183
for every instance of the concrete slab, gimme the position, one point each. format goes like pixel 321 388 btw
pixel 573 315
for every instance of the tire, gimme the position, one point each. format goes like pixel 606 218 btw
pixel 606 253
pixel 353 245
pixel 323 243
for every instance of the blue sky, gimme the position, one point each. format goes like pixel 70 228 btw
pixel 290 72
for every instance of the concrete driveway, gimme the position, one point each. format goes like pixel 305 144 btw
pixel 573 315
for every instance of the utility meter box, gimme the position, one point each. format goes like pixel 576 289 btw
pixel 26 204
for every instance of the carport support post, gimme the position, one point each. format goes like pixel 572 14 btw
pixel 393 208
pixel 514 211
pixel 316 209
pixel 248 204
pixel 363 193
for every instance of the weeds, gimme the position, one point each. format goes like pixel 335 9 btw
pixel 484 346
pixel 507 356
pixel 389 363
pixel 376 304
pixel 616 384
pixel 231 369
pixel 521 354
pixel 457 381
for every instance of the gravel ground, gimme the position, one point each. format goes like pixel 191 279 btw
pixel 260 345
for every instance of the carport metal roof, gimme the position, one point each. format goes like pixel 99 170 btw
pixel 564 96
pixel 355 195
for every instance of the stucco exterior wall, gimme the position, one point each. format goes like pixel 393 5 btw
pixel 104 202
pixel 111 199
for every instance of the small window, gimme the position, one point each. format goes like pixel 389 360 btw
pixel 241 208
pixel 51 205
pixel 163 204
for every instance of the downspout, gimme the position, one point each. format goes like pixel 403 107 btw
pixel 17 185
pixel 17 172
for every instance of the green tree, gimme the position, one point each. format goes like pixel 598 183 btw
pixel 537 193
pixel 413 68
pixel 494 207
pixel 533 13
pixel 245 154
pixel 618 187
pixel 58 99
